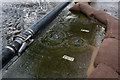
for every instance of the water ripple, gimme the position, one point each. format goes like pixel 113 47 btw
pixel 53 39
pixel 77 42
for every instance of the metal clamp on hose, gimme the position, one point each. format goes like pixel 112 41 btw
pixel 16 47
pixel 26 39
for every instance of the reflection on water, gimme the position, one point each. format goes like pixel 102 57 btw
pixel 44 57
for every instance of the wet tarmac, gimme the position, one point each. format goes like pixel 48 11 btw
pixel 67 36
pixel 111 8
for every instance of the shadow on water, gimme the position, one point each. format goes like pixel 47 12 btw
pixel 71 35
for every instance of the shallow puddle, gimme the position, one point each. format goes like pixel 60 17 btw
pixel 71 35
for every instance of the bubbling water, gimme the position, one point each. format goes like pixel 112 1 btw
pixel 77 42
pixel 53 39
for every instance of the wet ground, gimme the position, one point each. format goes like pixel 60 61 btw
pixel 66 37
pixel 111 8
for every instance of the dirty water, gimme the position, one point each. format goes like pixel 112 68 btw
pixel 71 34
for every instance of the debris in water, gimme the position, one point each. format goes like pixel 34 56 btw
pixel 85 30
pixel 68 58
pixel 103 29
pixel 77 42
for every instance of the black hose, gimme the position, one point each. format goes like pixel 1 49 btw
pixel 24 40
pixel 48 18
pixel 9 52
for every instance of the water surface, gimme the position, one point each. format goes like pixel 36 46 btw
pixel 43 59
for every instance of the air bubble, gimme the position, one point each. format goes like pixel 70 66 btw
pixel 77 42
pixel 53 39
